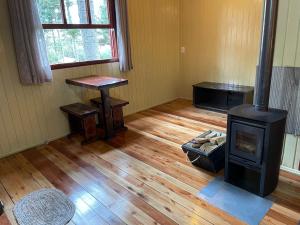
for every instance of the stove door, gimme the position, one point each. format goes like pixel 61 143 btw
pixel 247 142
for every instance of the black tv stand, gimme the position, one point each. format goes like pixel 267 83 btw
pixel 221 97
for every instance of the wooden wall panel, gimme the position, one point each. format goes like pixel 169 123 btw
pixel 30 115
pixel 222 41
pixel 287 53
pixel 297 156
pixel 283 15
pixel 289 151
pixel 292 33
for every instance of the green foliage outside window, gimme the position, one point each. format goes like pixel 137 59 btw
pixel 76 45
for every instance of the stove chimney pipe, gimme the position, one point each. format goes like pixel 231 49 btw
pixel 268 37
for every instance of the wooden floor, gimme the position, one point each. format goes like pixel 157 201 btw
pixel 139 177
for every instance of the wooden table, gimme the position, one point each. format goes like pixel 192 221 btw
pixel 103 84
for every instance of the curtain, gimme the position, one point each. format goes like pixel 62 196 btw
pixel 124 47
pixel 30 46
pixel 285 94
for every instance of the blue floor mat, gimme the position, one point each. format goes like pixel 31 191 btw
pixel 237 202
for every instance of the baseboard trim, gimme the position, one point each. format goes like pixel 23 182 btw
pixel 290 170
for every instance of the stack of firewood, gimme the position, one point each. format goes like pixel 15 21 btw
pixel 210 142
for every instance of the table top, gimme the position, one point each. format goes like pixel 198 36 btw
pixel 97 82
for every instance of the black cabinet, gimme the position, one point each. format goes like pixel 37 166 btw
pixel 221 97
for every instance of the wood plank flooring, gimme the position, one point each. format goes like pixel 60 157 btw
pixel 139 177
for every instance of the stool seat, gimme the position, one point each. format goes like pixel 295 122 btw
pixel 82 119
pixel 114 102
pixel 79 110
pixel 117 112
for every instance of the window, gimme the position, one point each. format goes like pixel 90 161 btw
pixel 78 32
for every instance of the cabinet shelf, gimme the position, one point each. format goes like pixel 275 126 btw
pixel 221 97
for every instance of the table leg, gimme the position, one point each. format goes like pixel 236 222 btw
pixel 107 114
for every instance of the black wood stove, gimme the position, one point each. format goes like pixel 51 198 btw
pixel 256 132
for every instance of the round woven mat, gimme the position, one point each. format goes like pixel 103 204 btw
pixel 44 207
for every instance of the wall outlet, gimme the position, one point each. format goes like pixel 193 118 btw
pixel 182 50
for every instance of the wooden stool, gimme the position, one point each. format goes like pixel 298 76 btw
pixel 117 112
pixel 82 119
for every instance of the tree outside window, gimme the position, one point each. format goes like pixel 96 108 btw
pixel 78 32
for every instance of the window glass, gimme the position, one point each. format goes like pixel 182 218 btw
pixel 71 38
pixel 76 12
pixel 78 45
pixel 50 11
pixel 99 11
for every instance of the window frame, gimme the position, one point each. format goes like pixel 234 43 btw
pixel 65 25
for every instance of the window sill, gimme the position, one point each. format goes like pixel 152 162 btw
pixel 78 64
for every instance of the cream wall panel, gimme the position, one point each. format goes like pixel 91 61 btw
pixel 287 50
pixel 297 63
pixel 30 115
pixel 283 15
pixel 287 53
pixel 222 41
pixel 289 151
pixel 297 156
pixel 292 34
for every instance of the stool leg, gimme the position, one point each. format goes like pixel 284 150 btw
pixel 89 128
pixel 119 119
pixel 74 124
